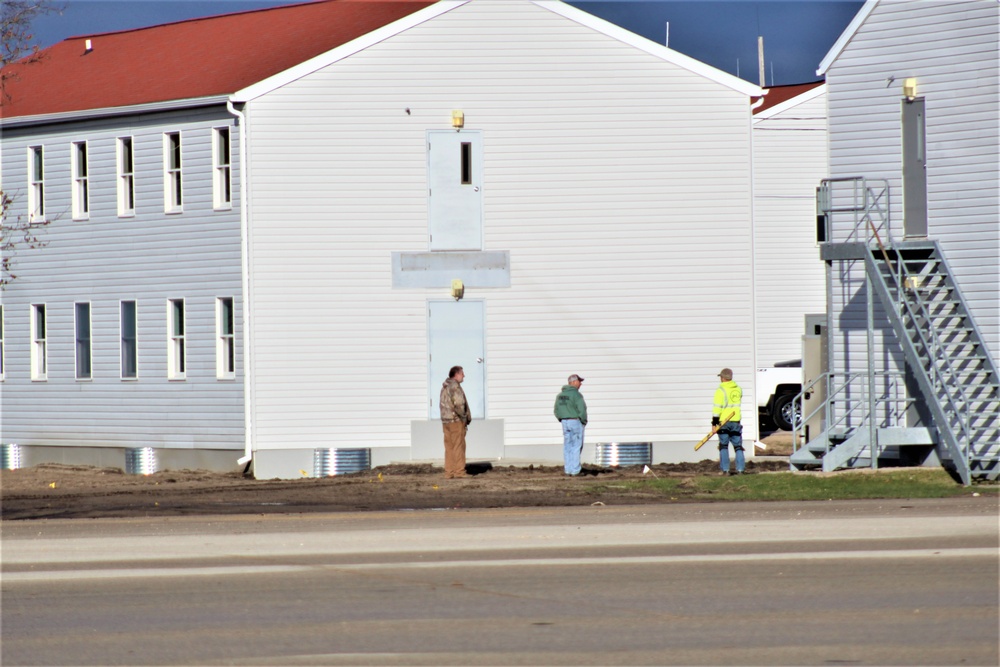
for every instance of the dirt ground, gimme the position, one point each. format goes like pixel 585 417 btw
pixel 59 491
pixel 62 491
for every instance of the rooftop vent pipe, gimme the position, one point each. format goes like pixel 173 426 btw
pixel 88 46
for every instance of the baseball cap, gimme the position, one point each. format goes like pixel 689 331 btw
pixel 574 376
pixel 726 374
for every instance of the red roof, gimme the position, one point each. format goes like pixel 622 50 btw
pixel 778 94
pixel 218 55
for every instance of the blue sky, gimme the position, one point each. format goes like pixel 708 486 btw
pixel 722 33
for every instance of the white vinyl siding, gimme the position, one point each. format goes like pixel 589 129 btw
pixel 222 184
pixel 82 344
pixel 615 180
pixel 950 48
pixel 36 184
pixel 3 350
pixel 39 343
pixel 81 181
pixel 789 160
pixel 125 161
pixel 173 182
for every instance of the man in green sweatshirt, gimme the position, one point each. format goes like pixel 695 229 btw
pixel 571 411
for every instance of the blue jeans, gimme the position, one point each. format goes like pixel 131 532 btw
pixel 572 445
pixel 731 433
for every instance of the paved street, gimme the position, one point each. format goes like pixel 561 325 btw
pixel 849 582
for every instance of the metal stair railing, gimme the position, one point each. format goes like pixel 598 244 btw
pixel 853 393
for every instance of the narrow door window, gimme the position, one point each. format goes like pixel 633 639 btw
pixel 83 350
pixel 176 361
pixel 36 189
pixel 225 350
pixel 126 177
pixel 172 180
pixel 39 351
pixel 129 348
pixel 222 189
pixel 81 182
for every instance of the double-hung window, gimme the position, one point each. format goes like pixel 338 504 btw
pixel 84 361
pixel 222 182
pixel 81 182
pixel 176 359
pixel 1 345
pixel 36 184
pixel 126 177
pixel 39 351
pixel 129 347
pixel 173 190
pixel 225 346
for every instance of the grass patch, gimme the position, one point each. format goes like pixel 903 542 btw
pixel 903 483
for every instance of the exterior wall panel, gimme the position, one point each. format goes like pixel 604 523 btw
pixel 615 180
pixel 148 258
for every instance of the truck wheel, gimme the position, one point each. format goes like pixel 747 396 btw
pixel 783 411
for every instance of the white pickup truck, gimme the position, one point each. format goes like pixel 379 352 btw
pixel 776 387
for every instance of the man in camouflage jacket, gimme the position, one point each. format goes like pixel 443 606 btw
pixel 455 418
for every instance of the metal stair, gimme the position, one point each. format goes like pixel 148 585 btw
pixel 955 377
pixel 943 347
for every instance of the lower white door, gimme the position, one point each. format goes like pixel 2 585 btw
pixel 456 337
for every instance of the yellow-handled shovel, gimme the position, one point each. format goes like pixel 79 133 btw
pixel 715 429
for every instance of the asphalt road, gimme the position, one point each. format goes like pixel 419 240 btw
pixel 850 582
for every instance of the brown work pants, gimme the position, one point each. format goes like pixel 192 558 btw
pixel 454 449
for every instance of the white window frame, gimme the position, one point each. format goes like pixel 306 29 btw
pixel 173 177
pixel 39 342
pixel 36 184
pixel 3 358
pixel 222 168
pixel 225 341
pixel 176 340
pixel 126 177
pixel 123 341
pixel 80 169
pixel 83 348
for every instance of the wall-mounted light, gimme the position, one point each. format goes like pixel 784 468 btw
pixel 457 289
pixel 457 119
pixel 910 88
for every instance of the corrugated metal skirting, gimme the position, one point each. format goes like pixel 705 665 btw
pixel 624 453
pixel 328 462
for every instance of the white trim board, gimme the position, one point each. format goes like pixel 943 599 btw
pixel 649 46
pixel 846 36
pixel 790 103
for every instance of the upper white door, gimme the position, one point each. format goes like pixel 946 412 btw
pixel 454 181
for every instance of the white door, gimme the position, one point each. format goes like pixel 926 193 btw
pixel 454 181
pixel 456 338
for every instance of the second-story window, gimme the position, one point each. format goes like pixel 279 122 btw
pixel 222 173
pixel 36 184
pixel 173 191
pixel 126 177
pixel 81 183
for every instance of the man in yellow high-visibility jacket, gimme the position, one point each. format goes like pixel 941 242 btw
pixel 727 404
